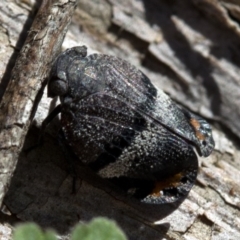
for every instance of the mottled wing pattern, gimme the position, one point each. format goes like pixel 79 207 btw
pixel 125 129
pixel 136 89
pixel 115 130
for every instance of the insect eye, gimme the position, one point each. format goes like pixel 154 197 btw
pixel 204 143
pixel 57 87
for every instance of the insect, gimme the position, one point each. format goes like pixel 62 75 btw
pixel 125 129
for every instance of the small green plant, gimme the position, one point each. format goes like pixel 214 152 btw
pixel 31 231
pixel 98 229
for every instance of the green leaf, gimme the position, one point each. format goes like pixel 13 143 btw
pixel 98 229
pixel 31 231
pixel 50 235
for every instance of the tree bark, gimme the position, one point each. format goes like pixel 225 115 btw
pixel 190 49
pixel 28 77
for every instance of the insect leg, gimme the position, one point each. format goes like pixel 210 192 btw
pixel 45 122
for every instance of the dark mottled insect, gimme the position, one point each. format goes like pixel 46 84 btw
pixel 125 129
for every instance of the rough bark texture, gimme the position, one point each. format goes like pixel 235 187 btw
pixel 190 49
pixel 27 79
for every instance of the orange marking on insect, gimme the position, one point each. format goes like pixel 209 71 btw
pixel 200 136
pixel 174 181
pixel 196 125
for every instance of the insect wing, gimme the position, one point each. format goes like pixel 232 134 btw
pixel 132 86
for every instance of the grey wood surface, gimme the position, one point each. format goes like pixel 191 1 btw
pixel 190 49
